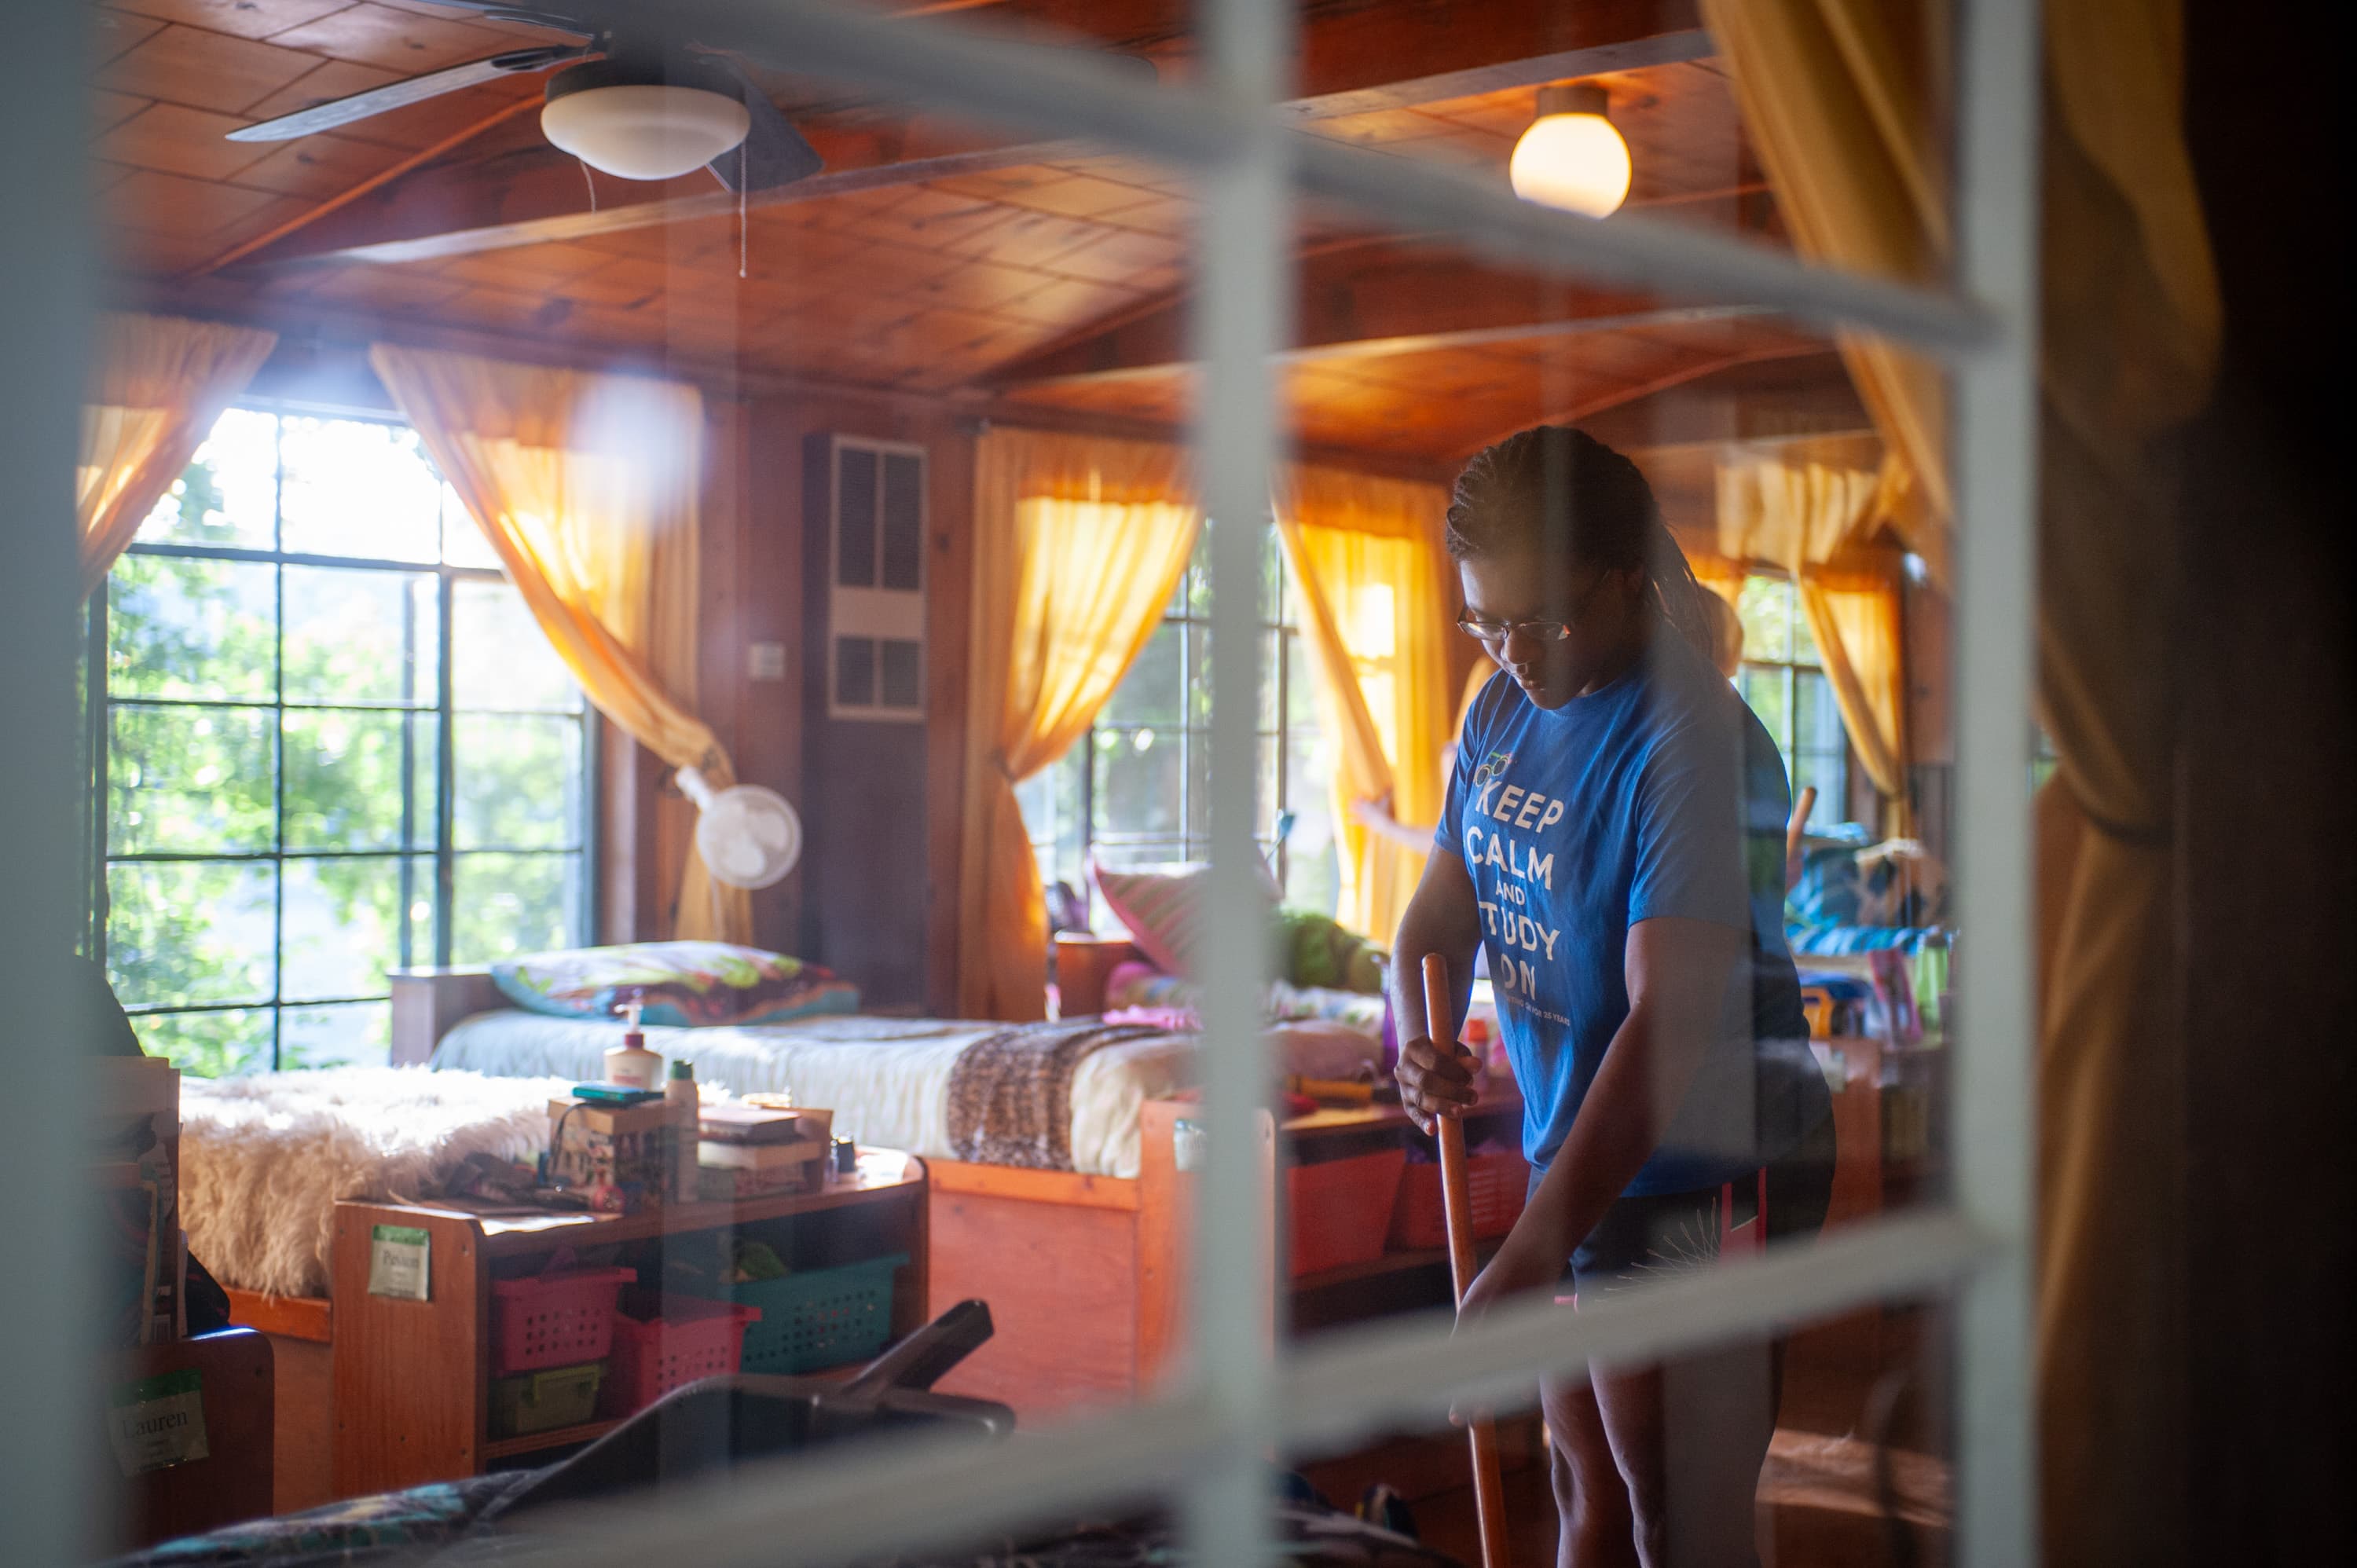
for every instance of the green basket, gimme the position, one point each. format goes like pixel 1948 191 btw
pixel 825 1317
pixel 546 1400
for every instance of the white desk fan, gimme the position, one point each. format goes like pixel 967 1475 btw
pixel 749 836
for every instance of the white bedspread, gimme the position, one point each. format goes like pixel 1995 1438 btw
pixel 886 1080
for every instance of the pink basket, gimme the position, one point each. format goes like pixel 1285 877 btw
pixel 555 1319
pixel 694 1338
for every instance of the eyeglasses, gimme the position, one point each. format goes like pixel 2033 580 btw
pixel 1494 632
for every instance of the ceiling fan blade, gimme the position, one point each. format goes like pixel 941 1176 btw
pixel 401 94
pixel 774 153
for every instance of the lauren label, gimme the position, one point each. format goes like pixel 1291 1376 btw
pixel 158 1422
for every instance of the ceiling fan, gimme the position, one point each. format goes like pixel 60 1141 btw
pixel 637 103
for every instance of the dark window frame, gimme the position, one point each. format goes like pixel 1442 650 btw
pixel 441 709
pixel 1792 670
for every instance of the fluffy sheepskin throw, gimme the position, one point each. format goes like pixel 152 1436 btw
pixel 264 1159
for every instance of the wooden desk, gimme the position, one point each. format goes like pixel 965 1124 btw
pixel 412 1377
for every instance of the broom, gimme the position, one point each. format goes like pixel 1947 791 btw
pixel 1457 1208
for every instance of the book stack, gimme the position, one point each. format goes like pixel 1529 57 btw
pixel 750 1151
pixel 135 1147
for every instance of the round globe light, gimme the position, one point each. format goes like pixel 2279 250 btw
pixel 645 131
pixel 1572 157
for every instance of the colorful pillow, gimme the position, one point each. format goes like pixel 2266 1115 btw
pixel 1316 949
pixel 679 985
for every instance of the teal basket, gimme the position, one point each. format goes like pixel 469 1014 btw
pixel 825 1317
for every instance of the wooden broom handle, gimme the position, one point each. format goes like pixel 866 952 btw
pixel 1457 1209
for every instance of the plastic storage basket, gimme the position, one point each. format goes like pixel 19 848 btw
pixel 825 1317
pixel 1340 1209
pixel 555 1319
pixel 544 1401
pixel 692 1339
pixel 1495 1182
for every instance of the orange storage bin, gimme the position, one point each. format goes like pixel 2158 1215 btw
pixel 1497 1182
pixel 1340 1210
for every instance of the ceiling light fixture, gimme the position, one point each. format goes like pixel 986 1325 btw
pixel 1572 157
pixel 612 118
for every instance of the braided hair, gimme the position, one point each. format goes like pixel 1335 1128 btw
pixel 1573 499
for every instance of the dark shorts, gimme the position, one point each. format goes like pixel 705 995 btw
pixel 1643 1237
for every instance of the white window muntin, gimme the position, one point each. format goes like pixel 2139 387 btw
pixel 1244 1396
pixel 1213 1436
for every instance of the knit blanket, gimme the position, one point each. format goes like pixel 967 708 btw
pixel 264 1159
pixel 1010 1092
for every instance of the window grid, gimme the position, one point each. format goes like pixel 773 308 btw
pixel 1782 667
pixel 440 708
pixel 1220 130
pixel 1062 810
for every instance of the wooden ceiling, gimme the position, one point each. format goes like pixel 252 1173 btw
pixel 928 257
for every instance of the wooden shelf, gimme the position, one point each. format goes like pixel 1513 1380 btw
pixel 557 1437
pixel 508 1233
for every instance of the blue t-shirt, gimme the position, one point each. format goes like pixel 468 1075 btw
pixel 1658 795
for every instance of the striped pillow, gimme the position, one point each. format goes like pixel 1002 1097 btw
pixel 1158 905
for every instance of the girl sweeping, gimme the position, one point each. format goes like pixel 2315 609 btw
pixel 1613 842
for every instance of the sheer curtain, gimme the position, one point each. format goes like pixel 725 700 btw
pixel 1847 131
pixel 1376 602
pixel 162 381
pixel 586 485
pixel 1079 542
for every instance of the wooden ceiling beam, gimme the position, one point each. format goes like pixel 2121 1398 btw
pixel 1371 299
pixel 1350 60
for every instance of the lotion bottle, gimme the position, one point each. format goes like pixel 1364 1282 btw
pixel 686 1107
pixel 631 1064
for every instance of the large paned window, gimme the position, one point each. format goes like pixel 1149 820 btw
pixel 1134 790
pixel 332 741
pixel 1784 680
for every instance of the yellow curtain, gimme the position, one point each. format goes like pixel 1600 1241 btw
pixel 1806 517
pixel 586 485
pixel 1079 542
pixel 1377 604
pixel 161 382
pixel 1834 99
pixel 2130 332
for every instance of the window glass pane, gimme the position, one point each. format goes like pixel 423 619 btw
pixel 1153 689
pixel 229 492
pixel 1764 689
pixel 1829 776
pixel 190 931
pixel 503 904
pixel 355 487
pixel 1300 692
pixel 189 780
pixel 343 782
pixel 1272 648
pixel 208 1045
pixel 463 543
pixel 1313 876
pixel 1816 721
pixel 327 1036
pixel 341 928
pixel 517 782
pixel 201 630
pixel 361 636
pixel 1765 608
pixel 498 656
pixel 1138 782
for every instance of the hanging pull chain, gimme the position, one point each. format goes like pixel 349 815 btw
pixel 742 185
pixel 587 181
